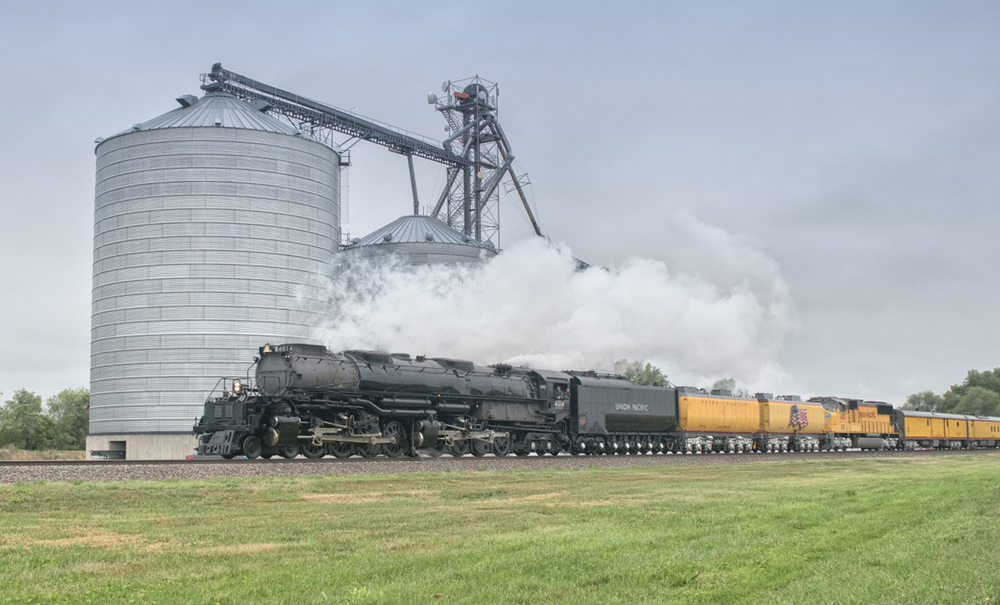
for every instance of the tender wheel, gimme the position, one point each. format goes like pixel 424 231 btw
pixel 481 448
pixel 309 450
pixel 289 451
pixel 340 449
pixel 501 446
pixel 400 444
pixel 252 447
pixel 459 449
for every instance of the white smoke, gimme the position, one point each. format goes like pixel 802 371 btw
pixel 531 306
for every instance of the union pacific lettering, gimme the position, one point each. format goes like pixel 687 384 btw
pixel 869 414
pixel 631 407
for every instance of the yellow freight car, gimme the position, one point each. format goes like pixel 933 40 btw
pixel 790 424
pixel 715 421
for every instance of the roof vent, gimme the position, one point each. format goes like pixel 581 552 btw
pixel 429 237
pixel 218 122
pixel 356 240
pixel 387 237
pixel 187 100
pixel 136 126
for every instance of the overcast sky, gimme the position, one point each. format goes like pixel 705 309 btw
pixel 850 148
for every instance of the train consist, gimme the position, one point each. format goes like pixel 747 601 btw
pixel 307 400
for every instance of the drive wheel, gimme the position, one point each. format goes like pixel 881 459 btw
pixel 437 450
pixel 289 451
pixel 481 448
pixel 310 450
pixel 339 449
pixel 501 446
pixel 399 445
pixel 459 448
pixel 369 451
pixel 252 447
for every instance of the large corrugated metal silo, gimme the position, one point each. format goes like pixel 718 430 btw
pixel 211 224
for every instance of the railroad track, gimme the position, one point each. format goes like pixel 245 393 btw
pixel 529 459
pixel 153 470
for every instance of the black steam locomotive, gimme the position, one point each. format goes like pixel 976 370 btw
pixel 306 399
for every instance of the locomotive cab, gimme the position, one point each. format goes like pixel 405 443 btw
pixel 554 388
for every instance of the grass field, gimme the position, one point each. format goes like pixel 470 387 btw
pixel 900 530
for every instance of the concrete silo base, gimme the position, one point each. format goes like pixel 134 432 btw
pixel 143 447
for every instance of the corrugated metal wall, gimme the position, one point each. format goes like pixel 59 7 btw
pixel 207 242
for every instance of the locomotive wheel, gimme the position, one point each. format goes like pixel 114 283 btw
pixel 251 447
pixel 369 451
pixel 399 446
pixel 289 451
pixel 501 446
pixel 229 456
pixel 309 450
pixel 459 449
pixel 437 450
pixel 480 448
pixel 340 450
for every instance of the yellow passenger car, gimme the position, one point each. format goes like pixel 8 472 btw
pixel 946 431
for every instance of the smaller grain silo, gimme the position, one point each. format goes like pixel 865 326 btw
pixel 420 240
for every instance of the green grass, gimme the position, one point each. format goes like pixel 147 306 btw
pixel 899 530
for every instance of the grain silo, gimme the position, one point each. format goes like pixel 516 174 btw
pixel 211 223
pixel 420 240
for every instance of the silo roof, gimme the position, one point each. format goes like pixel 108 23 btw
pixel 218 109
pixel 417 229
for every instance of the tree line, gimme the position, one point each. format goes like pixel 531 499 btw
pixel 61 424
pixel 978 395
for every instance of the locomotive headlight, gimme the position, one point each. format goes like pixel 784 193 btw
pixel 237 387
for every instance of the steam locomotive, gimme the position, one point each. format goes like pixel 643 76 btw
pixel 307 400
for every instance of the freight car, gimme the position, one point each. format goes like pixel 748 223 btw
pixel 304 399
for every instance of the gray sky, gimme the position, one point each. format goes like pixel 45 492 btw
pixel 850 148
